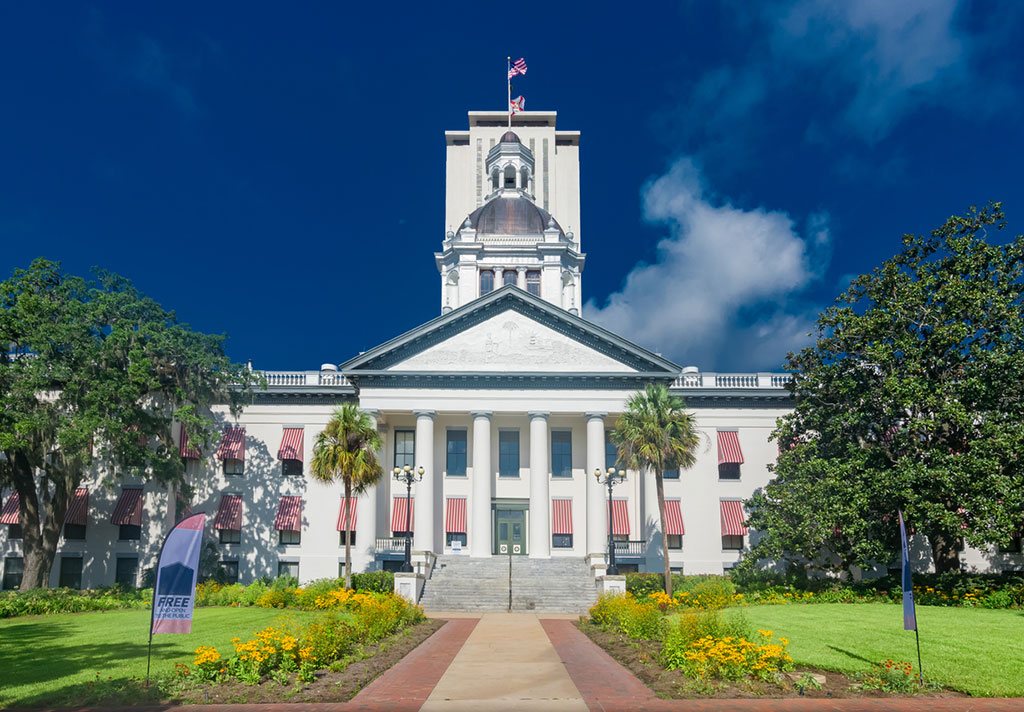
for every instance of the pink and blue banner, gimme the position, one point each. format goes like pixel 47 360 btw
pixel 177 568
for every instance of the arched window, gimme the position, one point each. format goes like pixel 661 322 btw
pixel 486 282
pixel 524 178
pixel 510 177
pixel 494 180
pixel 508 277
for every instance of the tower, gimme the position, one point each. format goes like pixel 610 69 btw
pixel 505 207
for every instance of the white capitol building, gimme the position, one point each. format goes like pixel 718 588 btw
pixel 505 399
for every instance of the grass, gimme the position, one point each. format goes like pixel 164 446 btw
pixel 72 658
pixel 973 650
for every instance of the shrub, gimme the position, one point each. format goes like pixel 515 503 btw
pixel 637 619
pixel 706 646
pixel 713 593
pixel 44 601
pixel 374 582
pixel 644 584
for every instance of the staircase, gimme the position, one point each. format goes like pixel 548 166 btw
pixel 461 583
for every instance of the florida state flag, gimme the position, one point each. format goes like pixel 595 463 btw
pixel 177 567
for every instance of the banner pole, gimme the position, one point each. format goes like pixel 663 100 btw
pixel 152 604
pixel 920 670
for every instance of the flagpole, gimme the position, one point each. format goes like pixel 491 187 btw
pixel 508 74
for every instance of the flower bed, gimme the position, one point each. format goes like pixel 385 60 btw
pixel 42 601
pixel 285 593
pixel 350 620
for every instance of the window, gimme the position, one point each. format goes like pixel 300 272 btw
pixel 405 448
pixel 70 572
pixel 291 468
pixel 127 571
pixel 1014 547
pixel 672 474
pixel 289 538
pixel 611 453
pixel 129 532
pixel 729 471
pixel 14 567
pixel 508 453
pixel 455 536
pixel 486 282
pixel 74 532
pixel 561 453
pixel 230 536
pixel 351 536
pixel 400 535
pixel 508 277
pixel 288 568
pixel 732 542
pixel 456 462
pixel 229 570
pixel 234 467
pixel 14 531
pixel 675 541
pixel 392 566
pixel 561 541
pixel 533 282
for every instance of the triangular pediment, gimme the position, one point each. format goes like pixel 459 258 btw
pixel 509 332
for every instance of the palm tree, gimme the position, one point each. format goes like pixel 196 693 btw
pixel 346 450
pixel 656 433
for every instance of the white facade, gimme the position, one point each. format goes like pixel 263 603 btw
pixel 504 400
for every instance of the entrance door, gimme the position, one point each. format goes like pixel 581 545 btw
pixel 510 531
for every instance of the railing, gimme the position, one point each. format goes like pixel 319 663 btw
pixel 304 378
pixel 732 380
pixel 630 548
pixel 390 544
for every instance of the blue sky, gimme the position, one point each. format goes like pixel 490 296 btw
pixel 277 173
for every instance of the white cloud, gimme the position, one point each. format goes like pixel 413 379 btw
pixel 721 292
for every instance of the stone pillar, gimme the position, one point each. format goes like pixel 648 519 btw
pixel 521 278
pixel 366 517
pixel 498 281
pixel 423 515
pixel 480 526
pixel 540 484
pixel 651 520
pixel 597 507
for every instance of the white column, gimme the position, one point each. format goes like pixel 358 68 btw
pixel 597 511
pixel 650 526
pixel 480 527
pixel 366 518
pixel 540 499
pixel 423 515
pixel 499 282
pixel 521 278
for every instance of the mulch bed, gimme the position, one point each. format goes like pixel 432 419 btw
pixel 641 658
pixel 330 686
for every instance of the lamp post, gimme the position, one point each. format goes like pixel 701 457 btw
pixel 609 479
pixel 408 475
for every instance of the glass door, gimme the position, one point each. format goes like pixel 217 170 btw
pixel 510 531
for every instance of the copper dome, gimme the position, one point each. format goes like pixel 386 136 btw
pixel 511 216
pixel 510 137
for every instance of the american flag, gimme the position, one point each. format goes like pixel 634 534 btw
pixel 518 67
pixel 516 105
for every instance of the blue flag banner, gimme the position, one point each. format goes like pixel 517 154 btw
pixel 174 596
pixel 909 614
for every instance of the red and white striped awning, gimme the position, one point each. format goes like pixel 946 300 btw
pixel 732 518
pixel 561 516
pixel 729 452
pixel 12 510
pixel 620 516
pixel 674 518
pixel 291 444
pixel 289 514
pixel 398 521
pixel 351 515
pixel 78 511
pixel 232 445
pixel 184 450
pixel 229 513
pixel 455 515
pixel 128 509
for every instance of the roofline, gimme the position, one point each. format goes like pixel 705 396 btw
pixel 509 290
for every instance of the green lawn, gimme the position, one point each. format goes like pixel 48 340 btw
pixel 977 651
pixel 63 659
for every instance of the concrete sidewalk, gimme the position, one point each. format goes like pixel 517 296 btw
pixel 507 663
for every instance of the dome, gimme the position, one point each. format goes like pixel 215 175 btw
pixel 510 137
pixel 514 215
